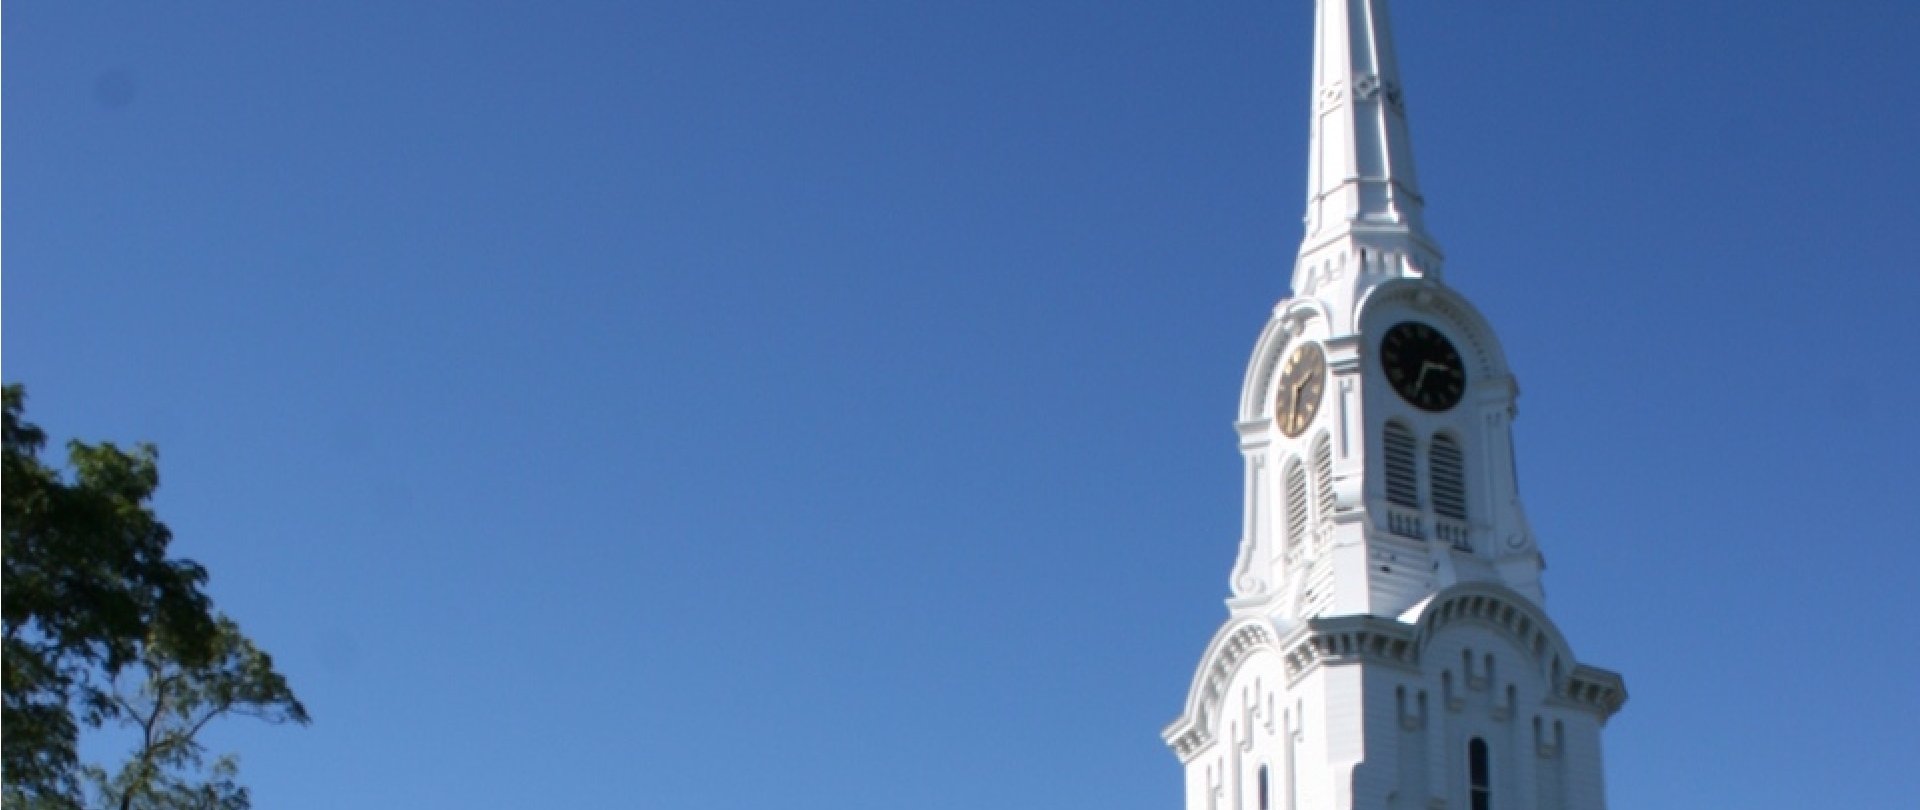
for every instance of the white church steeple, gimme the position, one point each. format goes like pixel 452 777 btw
pixel 1360 174
pixel 1387 643
pixel 1365 217
pixel 1396 479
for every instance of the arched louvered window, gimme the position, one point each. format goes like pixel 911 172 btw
pixel 1446 466
pixel 1323 476
pixel 1479 776
pixel 1295 481
pixel 1403 488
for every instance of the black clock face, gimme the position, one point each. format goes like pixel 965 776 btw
pixel 1423 366
pixel 1297 397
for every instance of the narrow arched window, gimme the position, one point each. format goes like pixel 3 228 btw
pixel 1479 776
pixel 1323 476
pixel 1398 454
pixel 1295 480
pixel 1447 466
pixel 1262 788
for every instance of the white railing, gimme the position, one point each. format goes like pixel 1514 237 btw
pixel 1452 531
pixel 1405 523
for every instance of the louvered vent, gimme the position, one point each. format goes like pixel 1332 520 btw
pixel 1296 480
pixel 1323 476
pixel 1449 478
pixel 1403 488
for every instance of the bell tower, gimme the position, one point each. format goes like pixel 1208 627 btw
pixel 1387 644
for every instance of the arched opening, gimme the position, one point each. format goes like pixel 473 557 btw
pixel 1399 454
pixel 1447 466
pixel 1323 476
pixel 1295 481
pixel 1479 776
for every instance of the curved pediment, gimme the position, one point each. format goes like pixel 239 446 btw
pixel 1495 606
pixel 1522 621
pixel 1292 318
pixel 1421 295
pixel 1231 647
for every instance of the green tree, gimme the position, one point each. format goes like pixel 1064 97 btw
pixel 91 598
pixel 167 703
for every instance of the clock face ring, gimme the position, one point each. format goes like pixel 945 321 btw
pixel 1296 398
pixel 1423 366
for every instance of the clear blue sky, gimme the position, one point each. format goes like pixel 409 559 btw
pixel 829 405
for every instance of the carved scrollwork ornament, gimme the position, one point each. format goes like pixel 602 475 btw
pixel 1251 585
pixel 1366 87
pixel 1331 95
pixel 1370 86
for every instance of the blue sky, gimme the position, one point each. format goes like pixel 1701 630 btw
pixel 709 404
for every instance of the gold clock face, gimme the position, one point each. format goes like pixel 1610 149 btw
pixel 1302 380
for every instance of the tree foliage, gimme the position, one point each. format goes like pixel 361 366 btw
pixel 92 602
pixel 167 703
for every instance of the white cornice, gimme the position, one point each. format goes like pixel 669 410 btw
pixel 1398 643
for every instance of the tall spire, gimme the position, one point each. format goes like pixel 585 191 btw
pixel 1360 177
